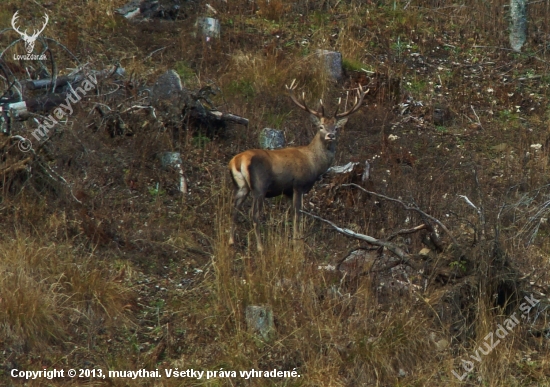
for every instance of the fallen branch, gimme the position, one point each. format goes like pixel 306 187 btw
pixel 45 167
pixel 229 117
pixel 408 208
pixel 194 107
pixel 408 231
pixel 60 178
pixel 75 77
pixel 373 241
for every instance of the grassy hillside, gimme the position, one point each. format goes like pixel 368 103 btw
pixel 105 265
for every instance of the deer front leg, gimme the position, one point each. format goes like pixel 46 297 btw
pixel 297 198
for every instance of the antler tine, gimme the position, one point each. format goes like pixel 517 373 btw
pixel 302 105
pixel 290 90
pixel 358 101
pixel 337 107
pixel 292 85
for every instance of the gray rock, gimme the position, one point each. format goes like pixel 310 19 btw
pixel 130 10
pixel 167 87
pixel 259 320
pixel 333 63
pixel 170 159
pixel 138 10
pixel 342 168
pixel 271 138
pixel 209 27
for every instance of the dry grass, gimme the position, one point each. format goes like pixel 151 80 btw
pixel 49 294
pixel 139 277
pixel 332 337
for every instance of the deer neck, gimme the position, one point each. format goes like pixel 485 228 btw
pixel 322 152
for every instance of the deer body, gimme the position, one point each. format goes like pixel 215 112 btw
pixel 290 171
pixel 282 171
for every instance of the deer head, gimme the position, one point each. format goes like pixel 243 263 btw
pixel 28 39
pixel 328 126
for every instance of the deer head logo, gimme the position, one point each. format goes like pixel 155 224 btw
pixel 28 39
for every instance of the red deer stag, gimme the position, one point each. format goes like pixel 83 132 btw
pixel 289 171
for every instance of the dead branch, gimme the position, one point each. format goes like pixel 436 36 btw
pixel 480 215
pixel 60 178
pixel 74 77
pixel 433 237
pixel 199 105
pixel 373 241
pixel 137 107
pixel 408 208
pixel 54 66
pixel 60 81
pixel 408 231
pixel 229 117
pixel 73 56
pixel 45 167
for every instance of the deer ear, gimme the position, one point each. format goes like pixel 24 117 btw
pixel 341 122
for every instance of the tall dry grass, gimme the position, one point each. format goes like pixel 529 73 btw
pixel 49 293
pixel 332 336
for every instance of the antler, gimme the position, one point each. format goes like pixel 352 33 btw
pixel 13 21
pixel 358 101
pixel 302 105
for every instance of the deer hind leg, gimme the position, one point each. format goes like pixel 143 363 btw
pixel 239 196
